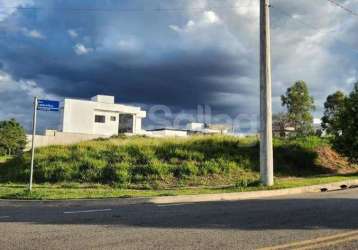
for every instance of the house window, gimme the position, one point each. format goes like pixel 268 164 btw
pixel 100 119
pixel 113 118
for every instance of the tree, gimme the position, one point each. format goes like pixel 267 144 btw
pixel 346 128
pixel 12 137
pixel 299 105
pixel 333 109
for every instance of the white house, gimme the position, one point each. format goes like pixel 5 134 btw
pixel 167 132
pixel 203 128
pixel 195 126
pixel 100 116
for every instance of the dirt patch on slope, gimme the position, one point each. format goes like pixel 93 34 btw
pixel 334 162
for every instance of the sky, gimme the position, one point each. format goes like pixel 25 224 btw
pixel 176 56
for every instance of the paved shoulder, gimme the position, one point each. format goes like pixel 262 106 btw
pixel 246 224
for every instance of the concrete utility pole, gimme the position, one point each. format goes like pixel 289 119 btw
pixel 266 151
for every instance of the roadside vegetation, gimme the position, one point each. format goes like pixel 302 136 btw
pixel 299 104
pixel 63 191
pixel 159 163
pixel 141 166
pixel 12 139
pixel 340 121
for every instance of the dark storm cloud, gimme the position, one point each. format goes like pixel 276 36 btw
pixel 155 64
pixel 177 77
pixel 176 58
pixel 177 80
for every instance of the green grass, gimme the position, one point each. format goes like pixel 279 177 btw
pixel 96 191
pixel 146 167
pixel 132 163
pixel 4 158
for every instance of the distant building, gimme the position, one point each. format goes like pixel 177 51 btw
pixel 202 128
pixel 191 129
pixel 317 126
pixel 167 132
pixel 285 128
pixel 282 130
pixel 195 126
pixel 100 116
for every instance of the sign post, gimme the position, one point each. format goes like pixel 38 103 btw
pixel 48 105
pixel 41 105
pixel 34 118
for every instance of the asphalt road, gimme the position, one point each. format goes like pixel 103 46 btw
pixel 311 221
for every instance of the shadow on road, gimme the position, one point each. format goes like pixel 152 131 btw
pixel 330 213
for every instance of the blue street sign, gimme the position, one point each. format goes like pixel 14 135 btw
pixel 48 105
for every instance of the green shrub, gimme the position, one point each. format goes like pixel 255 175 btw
pixel 140 162
pixel 166 151
pixel 185 170
pixel 209 168
pixel 140 155
pixel 116 174
pixel 43 172
pixel 226 166
pixel 153 171
pixel 117 154
pixel 17 169
pixel 61 172
pixel 53 154
pixel 90 170
pixel 12 138
pixel 308 142
pixel 178 151
pixel 247 182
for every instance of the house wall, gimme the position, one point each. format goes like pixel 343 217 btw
pixel 107 128
pixel 195 126
pixel 167 133
pixel 78 116
pixel 59 138
pixel 138 124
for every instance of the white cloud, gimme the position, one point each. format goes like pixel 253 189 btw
pixel 9 7
pixel 310 41
pixel 30 87
pixel 33 33
pixel 113 41
pixel 352 77
pixel 81 49
pixel 322 56
pixel 206 19
pixel 17 98
pixel 72 33
pixel 129 44
pixel 210 17
pixel 248 8
pixel 209 31
pixel 309 46
pixel 188 27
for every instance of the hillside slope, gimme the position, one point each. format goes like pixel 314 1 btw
pixel 155 163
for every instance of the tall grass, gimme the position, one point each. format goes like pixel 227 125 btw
pixel 153 162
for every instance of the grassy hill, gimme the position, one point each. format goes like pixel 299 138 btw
pixel 140 162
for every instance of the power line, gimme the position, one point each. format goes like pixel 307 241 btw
pixel 281 11
pixel 339 5
pixel 157 9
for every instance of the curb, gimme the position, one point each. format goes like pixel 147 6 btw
pixel 193 198
pixel 254 194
